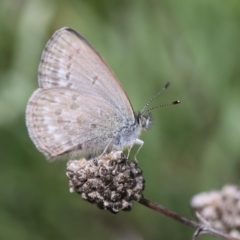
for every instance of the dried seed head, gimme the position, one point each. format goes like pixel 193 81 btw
pixel 111 181
pixel 220 208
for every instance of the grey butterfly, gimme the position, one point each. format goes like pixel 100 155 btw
pixel 80 106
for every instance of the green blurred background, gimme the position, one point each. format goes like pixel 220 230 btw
pixel 192 147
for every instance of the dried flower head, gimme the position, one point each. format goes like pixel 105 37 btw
pixel 220 208
pixel 110 181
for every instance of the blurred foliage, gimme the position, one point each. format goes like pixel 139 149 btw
pixel 191 147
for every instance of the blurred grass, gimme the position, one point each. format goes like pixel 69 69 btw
pixel 191 147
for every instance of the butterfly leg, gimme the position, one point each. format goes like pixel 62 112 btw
pixel 129 150
pixel 138 142
pixel 105 150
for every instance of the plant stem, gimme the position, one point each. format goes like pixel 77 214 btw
pixel 201 228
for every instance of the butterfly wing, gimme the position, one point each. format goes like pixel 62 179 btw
pixel 69 61
pixel 64 121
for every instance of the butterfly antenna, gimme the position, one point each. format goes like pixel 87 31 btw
pixel 152 99
pixel 164 105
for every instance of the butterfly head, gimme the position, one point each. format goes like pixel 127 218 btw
pixel 144 118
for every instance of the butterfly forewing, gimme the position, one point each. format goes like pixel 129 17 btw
pixel 69 61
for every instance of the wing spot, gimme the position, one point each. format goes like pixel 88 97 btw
pixel 31 103
pixel 53 70
pixel 93 125
pixel 68 75
pixel 65 127
pixel 70 57
pixel 43 60
pixel 72 132
pixel 47 48
pixel 60 120
pixel 41 75
pixel 79 146
pixel 58 111
pixel 74 106
pixel 69 85
pixel 79 119
pixel 69 66
pixel 74 97
pixel 94 80
pixel 39 120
